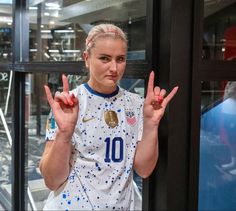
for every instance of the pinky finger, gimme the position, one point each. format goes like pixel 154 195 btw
pixel 168 98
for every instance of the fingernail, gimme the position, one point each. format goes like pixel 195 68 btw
pixel 160 99
pixel 72 95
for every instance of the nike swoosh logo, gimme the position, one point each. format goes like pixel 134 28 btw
pixel 86 120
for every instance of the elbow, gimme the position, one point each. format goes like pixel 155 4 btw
pixel 144 175
pixel 51 185
pixel 50 182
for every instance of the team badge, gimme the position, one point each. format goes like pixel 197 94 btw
pixel 111 118
pixel 130 118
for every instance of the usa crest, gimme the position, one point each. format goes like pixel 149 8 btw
pixel 130 118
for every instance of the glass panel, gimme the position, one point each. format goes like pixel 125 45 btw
pixel 219 32
pixel 37 110
pixel 58 28
pixel 5 31
pixel 217 179
pixel 5 140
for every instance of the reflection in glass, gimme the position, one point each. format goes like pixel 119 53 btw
pixel 5 140
pixel 5 31
pixel 37 110
pixel 219 33
pixel 58 29
pixel 217 179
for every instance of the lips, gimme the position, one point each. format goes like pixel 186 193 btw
pixel 112 77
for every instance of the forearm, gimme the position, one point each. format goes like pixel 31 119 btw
pixel 54 165
pixel 147 151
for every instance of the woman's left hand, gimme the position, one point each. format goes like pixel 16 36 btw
pixel 156 102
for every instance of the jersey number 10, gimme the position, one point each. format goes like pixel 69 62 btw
pixel 114 150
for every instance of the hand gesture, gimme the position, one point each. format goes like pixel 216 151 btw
pixel 156 102
pixel 64 107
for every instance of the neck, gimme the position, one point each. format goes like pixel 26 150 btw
pixel 102 89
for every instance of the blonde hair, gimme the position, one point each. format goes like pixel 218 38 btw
pixel 103 31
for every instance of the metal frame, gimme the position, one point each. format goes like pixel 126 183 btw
pixel 172 56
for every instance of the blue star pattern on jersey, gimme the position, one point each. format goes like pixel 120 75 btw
pixel 101 176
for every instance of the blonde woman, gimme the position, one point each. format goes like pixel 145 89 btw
pixel 98 133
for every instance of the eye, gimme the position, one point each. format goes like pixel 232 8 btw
pixel 121 59
pixel 104 59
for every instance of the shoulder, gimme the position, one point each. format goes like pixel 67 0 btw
pixel 133 98
pixel 79 90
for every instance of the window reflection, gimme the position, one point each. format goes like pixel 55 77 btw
pixel 219 33
pixel 5 140
pixel 5 31
pixel 37 110
pixel 58 28
pixel 217 179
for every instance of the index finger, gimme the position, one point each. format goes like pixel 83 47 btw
pixel 48 95
pixel 65 83
pixel 150 83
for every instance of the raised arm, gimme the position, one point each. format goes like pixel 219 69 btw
pixel 146 155
pixel 54 164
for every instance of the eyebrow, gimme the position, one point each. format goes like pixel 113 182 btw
pixel 110 56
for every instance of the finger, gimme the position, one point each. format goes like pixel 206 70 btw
pixel 162 92
pixel 68 98
pixel 160 99
pixel 157 91
pixel 48 95
pixel 74 99
pixel 65 83
pixel 61 98
pixel 159 94
pixel 150 84
pixel 168 98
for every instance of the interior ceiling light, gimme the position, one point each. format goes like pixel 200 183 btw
pixel 6 1
pixel 130 20
pixel 33 8
pixel 52 6
pixel 4 19
pixel 64 31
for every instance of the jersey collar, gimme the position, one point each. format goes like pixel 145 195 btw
pixel 101 94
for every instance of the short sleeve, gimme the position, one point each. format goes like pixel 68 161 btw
pixel 51 127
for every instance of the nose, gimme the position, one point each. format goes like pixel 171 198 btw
pixel 113 66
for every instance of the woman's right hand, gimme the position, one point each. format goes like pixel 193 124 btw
pixel 65 108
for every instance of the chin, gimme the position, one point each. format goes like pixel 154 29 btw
pixel 111 83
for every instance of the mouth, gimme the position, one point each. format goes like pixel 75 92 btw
pixel 112 77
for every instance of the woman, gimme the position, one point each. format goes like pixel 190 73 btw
pixel 102 132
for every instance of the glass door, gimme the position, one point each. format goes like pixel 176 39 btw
pixel 57 34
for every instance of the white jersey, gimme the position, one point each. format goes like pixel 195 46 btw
pixel 105 140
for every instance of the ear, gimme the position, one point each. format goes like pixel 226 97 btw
pixel 86 58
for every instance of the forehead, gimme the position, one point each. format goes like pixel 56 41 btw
pixel 109 45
